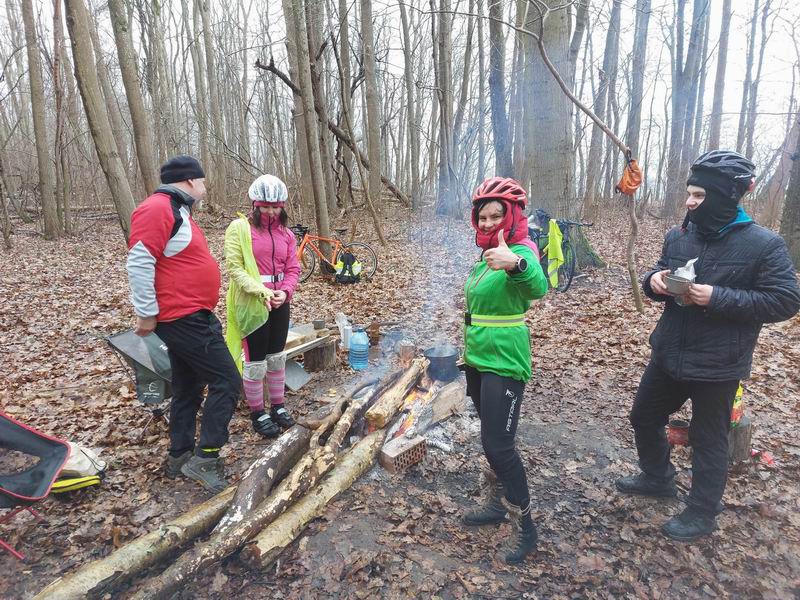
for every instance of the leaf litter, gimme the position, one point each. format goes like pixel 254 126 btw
pixel 399 536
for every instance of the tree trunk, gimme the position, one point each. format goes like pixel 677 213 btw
pixel 581 18
pixel 775 189
pixel 610 59
pixel 548 130
pixel 218 177
pixel 313 28
pixel 694 91
pixel 118 128
pixel 504 166
pixel 373 186
pixel 413 125
pixel 701 92
pixel 388 404
pixel 681 79
pixel 89 86
pixel 632 136
pixel 46 186
pixel 481 98
pixel 790 222
pixel 752 111
pixel 130 79
pixel 6 225
pixel 719 81
pixel 345 181
pixel 748 79
pixel 310 120
pixel 62 190
pixel 445 200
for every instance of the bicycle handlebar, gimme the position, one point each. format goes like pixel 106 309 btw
pixel 573 223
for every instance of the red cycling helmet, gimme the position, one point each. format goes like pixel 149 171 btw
pixel 501 188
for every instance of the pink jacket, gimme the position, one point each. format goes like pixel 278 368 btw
pixel 275 251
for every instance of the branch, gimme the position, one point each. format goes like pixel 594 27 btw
pixel 334 129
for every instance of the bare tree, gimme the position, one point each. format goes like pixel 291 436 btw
pixel 130 79
pixel 719 81
pixel 602 107
pixel 373 186
pixel 790 222
pixel 748 78
pixel 46 187
pixel 497 91
pixel 89 86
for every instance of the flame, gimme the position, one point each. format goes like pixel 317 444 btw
pixel 413 404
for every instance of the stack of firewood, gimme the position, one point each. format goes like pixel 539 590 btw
pixel 282 491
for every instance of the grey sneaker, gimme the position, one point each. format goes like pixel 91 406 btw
pixel 208 471
pixel 174 463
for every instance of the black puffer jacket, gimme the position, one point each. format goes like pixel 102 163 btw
pixel 754 283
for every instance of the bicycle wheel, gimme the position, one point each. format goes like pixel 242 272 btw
pixel 567 270
pixel 308 261
pixel 365 255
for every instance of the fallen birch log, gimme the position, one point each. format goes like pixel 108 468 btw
pixel 103 575
pixel 257 482
pixel 389 403
pixel 268 544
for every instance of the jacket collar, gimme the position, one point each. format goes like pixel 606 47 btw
pixel 176 194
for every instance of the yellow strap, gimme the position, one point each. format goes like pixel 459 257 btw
pixel 74 483
pixel 497 320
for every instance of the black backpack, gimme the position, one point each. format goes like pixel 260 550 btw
pixel 344 268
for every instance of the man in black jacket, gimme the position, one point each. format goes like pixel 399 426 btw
pixel 703 343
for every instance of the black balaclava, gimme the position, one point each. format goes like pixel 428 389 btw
pixel 722 199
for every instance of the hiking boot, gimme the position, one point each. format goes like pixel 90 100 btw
pixel 174 463
pixel 282 417
pixel 263 424
pixel 208 471
pixel 689 525
pixel 492 511
pixel 526 540
pixel 644 485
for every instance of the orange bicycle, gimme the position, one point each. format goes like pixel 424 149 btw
pixel 308 251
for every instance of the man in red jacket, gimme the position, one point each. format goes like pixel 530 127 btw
pixel 175 285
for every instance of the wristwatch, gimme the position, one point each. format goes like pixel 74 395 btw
pixel 520 267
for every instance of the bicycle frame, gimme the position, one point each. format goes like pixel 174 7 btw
pixel 308 240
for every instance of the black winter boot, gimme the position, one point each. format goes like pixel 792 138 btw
pixel 492 511
pixel 689 525
pixel 263 424
pixel 527 538
pixel 281 416
pixel 644 485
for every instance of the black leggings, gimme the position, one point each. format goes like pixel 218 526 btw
pixel 497 400
pixel 270 338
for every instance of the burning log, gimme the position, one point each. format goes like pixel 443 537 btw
pixel 257 482
pixel 103 575
pixel 268 544
pixel 390 402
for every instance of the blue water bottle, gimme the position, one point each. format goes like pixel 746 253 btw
pixel 359 349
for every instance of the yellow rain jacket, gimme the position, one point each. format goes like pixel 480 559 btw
pixel 246 308
pixel 555 256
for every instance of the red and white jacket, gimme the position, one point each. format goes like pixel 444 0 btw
pixel 170 268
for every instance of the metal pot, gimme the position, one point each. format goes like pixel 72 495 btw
pixel 443 359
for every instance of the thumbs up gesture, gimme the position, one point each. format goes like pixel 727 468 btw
pixel 500 258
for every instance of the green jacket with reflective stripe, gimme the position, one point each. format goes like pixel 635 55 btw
pixel 505 351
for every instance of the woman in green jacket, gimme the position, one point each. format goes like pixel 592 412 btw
pixel 497 354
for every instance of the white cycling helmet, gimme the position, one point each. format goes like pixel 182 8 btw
pixel 268 190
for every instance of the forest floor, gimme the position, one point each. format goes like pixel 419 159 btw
pixel 399 536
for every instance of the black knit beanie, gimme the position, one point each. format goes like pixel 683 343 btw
pixel 721 203
pixel 181 168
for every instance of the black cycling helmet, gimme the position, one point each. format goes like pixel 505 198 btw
pixel 729 163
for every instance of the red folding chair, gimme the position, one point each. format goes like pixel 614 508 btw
pixel 20 489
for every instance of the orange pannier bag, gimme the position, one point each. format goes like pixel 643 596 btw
pixel 631 178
